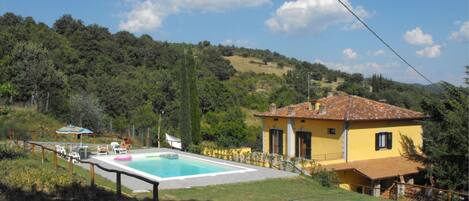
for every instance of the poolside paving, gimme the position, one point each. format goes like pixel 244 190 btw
pixel 261 173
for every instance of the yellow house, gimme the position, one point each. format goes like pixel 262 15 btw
pixel 360 139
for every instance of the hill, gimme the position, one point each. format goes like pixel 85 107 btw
pixel 118 82
pixel 253 64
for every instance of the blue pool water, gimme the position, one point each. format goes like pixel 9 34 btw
pixel 164 167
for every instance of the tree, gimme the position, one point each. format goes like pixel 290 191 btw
pixel 194 99
pixel 85 111
pixel 32 73
pixel 7 91
pixel 185 103
pixel 445 142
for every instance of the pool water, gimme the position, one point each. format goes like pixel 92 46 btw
pixel 183 166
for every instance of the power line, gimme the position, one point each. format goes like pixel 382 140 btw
pixel 384 42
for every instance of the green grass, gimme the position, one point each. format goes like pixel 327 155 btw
pixel 298 188
pixel 247 64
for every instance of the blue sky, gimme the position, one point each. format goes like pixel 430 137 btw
pixel 432 35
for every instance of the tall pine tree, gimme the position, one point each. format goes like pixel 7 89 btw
pixel 194 99
pixel 445 139
pixel 189 100
pixel 184 109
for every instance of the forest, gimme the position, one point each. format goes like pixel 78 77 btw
pixel 113 82
pixel 117 82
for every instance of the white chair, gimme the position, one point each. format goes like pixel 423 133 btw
pixel 117 149
pixel 75 156
pixel 173 141
pixel 61 150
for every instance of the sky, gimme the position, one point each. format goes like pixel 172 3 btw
pixel 432 35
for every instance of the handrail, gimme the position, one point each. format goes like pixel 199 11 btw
pixel 118 172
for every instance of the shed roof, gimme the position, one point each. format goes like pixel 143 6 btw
pixel 380 168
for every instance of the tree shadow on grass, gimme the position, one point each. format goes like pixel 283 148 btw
pixel 74 192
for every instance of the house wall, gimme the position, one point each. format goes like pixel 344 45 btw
pixel 361 138
pixel 270 123
pixel 321 142
pixel 351 180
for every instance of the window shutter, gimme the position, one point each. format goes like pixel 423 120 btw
pixel 280 143
pixel 389 140
pixel 271 141
pixel 376 141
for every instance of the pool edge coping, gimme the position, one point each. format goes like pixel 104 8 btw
pixel 108 159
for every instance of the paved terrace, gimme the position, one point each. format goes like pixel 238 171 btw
pixel 138 185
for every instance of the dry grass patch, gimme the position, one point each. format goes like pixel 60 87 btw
pixel 252 64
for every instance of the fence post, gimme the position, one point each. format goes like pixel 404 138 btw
pixel 42 154
pixel 449 196
pixel 118 184
pixel 92 175
pixel 32 148
pixel 70 166
pixel 55 160
pixel 155 192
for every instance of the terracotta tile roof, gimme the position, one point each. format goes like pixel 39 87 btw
pixel 380 168
pixel 345 107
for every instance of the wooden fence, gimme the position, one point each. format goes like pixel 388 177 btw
pixel 413 192
pixel 92 168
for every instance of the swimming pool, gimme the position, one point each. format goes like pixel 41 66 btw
pixel 158 167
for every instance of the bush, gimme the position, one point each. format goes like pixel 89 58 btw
pixel 196 149
pixel 326 178
pixel 10 153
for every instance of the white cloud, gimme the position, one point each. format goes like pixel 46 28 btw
pixel 417 37
pixel 366 68
pixel 313 15
pixel 148 15
pixel 379 52
pixel 430 52
pixel 349 53
pixel 462 35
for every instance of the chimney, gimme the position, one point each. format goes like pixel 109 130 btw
pixel 310 106
pixel 273 108
pixel 322 109
pixel 290 110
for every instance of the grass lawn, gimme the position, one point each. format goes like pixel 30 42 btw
pixel 298 188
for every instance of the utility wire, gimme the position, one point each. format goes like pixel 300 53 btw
pixel 384 42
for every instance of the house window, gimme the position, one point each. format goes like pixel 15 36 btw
pixel 383 140
pixel 276 141
pixel 331 131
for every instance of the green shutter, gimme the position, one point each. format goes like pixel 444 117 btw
pixel 270 141
pixel 280 143
pixel 389 140
pixel 376 141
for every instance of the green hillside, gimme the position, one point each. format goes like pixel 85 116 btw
pixel 116 82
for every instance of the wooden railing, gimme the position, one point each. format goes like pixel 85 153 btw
pixel 412 192
pixel 92 168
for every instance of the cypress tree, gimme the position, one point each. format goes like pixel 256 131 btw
pixel 184 109
pixel 194 99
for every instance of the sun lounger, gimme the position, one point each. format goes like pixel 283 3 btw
pixel 102 150
pixel 117 148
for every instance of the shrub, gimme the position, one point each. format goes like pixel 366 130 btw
pixel 326 178
pixel 193 148
pixel 6 153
